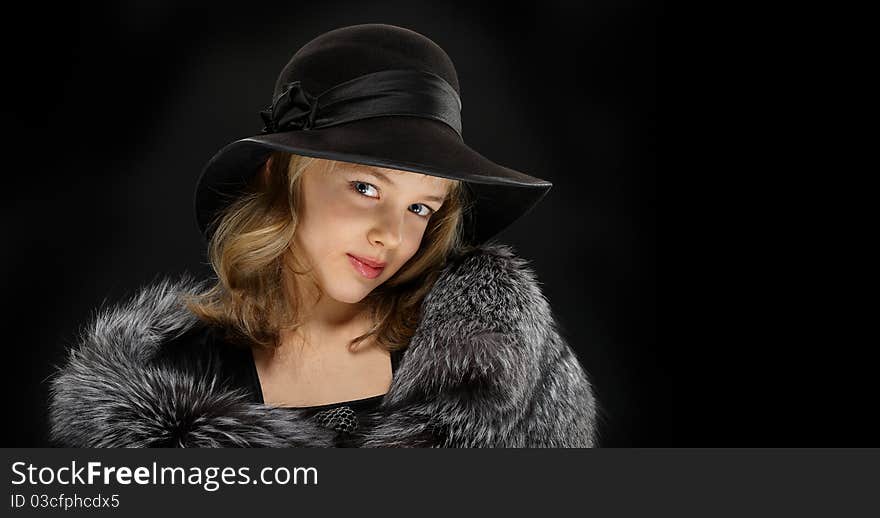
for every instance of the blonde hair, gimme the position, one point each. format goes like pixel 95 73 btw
pixel 250 244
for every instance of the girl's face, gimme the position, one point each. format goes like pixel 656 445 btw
pixel 367 212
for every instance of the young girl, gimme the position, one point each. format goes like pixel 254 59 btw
pixel 357 301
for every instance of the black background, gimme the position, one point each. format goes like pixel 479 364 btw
pixel 112 109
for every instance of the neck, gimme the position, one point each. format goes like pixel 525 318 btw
pixel 323 319
pixel 331 318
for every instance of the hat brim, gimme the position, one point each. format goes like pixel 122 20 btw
pixel 500 195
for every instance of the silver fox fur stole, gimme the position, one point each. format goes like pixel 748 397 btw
pixel 486 368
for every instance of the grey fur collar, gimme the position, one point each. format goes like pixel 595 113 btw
pixel 486 368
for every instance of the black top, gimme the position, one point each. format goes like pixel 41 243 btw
pixel 253 379
pixel 204 349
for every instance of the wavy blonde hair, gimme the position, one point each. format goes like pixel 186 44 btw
pixel 249 247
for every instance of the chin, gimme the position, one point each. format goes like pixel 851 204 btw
pixel 350 294
pixel 350 297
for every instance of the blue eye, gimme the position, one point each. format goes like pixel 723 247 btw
pixel 356 186
pixel 429 209
pixel 363 188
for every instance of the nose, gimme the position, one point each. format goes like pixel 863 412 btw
pixel 388 229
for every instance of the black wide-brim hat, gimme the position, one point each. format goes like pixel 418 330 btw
pixel 378 95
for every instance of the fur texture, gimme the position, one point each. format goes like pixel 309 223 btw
pixel 486 368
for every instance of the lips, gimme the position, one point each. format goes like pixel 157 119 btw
pixel 369 262
pixel 363 268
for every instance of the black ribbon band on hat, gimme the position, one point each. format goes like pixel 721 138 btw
pixel 388 92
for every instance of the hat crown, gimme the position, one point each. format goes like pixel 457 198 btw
pixel 379 95
pixel 343 54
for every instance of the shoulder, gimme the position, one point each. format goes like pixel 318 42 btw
pixel 153 327
pixel 136 328
pixel 190 350
pixel 484 321
pixel 492 281
pixel 144 373
pixel 488 364
pixel 114 360
pixel 486 315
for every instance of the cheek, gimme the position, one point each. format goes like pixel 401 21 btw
pixel 409 247
pixel 327 215
pixel 322 226
pixel 413 239
pixel 329 205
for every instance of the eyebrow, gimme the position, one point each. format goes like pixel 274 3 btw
pixel 382 176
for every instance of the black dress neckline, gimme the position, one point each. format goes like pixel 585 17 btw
pixel 362 403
